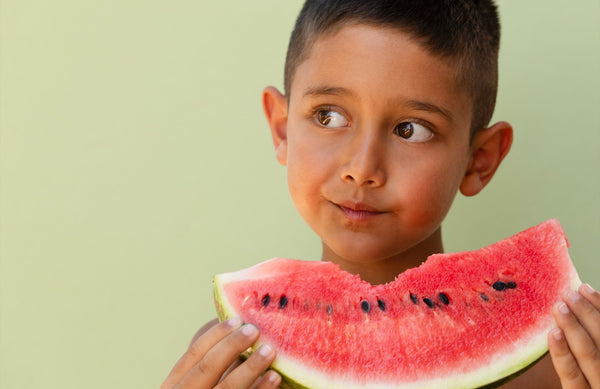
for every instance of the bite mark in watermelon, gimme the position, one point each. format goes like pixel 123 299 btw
pixel 459 320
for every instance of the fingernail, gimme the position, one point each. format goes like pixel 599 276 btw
pixel 587 288
pixel 265 351
pixel 234 322
pixel 562 307
pixel 249 330
pixel 573 296
pixel 556 334
pixel 274 378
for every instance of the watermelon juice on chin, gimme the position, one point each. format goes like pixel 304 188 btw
pixel 459 320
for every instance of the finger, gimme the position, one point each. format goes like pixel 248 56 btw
pixel 198 349
pixel 586 312
pixel 571 376
pixel 591 295
pixel 207 372
pixel 234 365
pixel 580 343
pixel 270 380
pixel 248 372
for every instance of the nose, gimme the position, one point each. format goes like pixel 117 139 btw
pixel 365 161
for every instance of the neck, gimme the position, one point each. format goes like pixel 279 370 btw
pixel 381 271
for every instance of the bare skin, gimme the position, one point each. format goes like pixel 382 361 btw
pixel 212 360
pixel 578 368
pixel 375 137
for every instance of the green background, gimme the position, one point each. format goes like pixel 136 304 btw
pixel 135 164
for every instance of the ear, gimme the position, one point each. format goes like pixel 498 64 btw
pixel 488 149
pixel 275 108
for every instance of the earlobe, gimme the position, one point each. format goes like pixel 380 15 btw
pixel 488 149
pixel 275 109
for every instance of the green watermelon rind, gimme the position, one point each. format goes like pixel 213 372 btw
pixel 284 365
pixel 224 312
pixel 496 373
pixel 296 377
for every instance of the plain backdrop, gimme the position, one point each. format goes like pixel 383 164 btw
pixel 135 163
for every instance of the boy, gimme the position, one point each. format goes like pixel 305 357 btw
pixel 384 119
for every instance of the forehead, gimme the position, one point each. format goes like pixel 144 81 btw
pixel 382 65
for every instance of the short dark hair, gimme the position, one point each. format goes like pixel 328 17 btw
pixel 464 32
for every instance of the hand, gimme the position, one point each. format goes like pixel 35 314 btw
pixel 215 352
pixel 575 344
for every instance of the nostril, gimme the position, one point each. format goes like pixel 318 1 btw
pixel 362 176
pixel 367 182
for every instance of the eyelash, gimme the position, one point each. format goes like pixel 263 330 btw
pixel 325 108
pixel 423 123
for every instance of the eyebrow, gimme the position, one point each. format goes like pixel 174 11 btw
pixel 428 107
pixel 414 104
pixel 327 91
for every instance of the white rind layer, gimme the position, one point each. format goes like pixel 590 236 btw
pixel 502 366
pixel 499 369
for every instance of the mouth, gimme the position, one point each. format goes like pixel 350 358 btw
pixel 357 211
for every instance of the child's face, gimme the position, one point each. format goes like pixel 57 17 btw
pixel 376 142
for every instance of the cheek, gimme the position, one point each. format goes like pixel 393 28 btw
pixel 310 159
pixel 305 173
pixel 434 188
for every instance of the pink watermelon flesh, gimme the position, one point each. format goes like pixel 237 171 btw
pixel 459 320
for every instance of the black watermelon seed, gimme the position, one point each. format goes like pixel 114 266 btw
pixel 444 298
pixel 511 285
pixel 329 309
pixel 484 297
pixel 499 286
pixel 381 304
pixel 428 301
pixel 265 300
pixel 413 298
pixel 365 306
pixel 283 302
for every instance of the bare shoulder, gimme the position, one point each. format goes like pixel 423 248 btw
pixel 203 329
pixel 540 376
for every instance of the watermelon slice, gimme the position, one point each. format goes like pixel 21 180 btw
pixel 459 320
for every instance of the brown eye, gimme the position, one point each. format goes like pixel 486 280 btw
pixel 413 132
pixel 404 130
pixel 324 117
pixel 331 119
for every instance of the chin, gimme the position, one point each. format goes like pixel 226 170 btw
pixel 365 253
pixel 370 249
